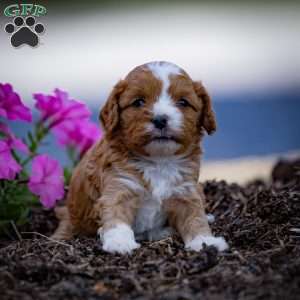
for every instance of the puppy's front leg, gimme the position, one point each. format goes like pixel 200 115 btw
pixel 117 211
pixel 187 216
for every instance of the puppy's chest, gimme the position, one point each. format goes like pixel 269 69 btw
pixel 165 179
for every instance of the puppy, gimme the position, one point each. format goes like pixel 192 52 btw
pixel 144 173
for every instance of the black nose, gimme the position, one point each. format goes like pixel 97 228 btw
pixel 160 121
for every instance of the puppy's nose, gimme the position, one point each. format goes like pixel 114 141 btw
pixel 160 121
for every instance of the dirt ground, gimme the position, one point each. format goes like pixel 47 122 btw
pixel 260 221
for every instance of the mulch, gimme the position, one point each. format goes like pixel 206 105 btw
pixel 261 222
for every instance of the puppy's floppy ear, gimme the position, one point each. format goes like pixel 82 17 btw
pixel 110 114
pixel 208 119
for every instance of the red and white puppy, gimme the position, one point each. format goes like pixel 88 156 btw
pixel 144 173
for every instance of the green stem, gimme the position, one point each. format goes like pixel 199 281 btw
pixel 73 155
pixel 35 140
pixel 24 181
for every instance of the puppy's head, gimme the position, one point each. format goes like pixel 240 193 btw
pixel 158 110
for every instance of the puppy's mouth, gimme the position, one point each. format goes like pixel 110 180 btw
pixel 164 139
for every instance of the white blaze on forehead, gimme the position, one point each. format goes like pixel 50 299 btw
pixel 162 70
pixel 164 105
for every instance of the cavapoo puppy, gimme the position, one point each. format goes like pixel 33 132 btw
pixel 143 175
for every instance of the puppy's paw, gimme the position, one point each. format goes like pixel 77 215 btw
pixel 119 239
pixel 197 243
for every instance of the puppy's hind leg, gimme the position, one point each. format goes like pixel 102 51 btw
pixel 64 230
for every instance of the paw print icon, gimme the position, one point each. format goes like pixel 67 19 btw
pixel 24 31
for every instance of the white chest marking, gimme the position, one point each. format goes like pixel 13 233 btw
pixel 166 178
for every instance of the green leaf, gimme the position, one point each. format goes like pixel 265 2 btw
pixel 15 203
pixel 67 175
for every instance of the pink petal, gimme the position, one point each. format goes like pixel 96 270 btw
pixel 46 180
pixel 4 128
pixel 60 108
pixel 11 106
pixel 19 145
pixel 81 134
pixel 12 141
pixel 9 168
pixel 7 88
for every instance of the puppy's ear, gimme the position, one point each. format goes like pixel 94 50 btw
pixel 207 119
pixel 110 114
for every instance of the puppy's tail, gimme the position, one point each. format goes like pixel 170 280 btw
pixel 64 230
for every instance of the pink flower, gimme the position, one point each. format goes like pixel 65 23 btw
pixel 81 134
pixel 11 140
pixel 48 105
pixel 46 180
pixel 68 118
pixel 58 108
pixel 9 168
pixel 11 106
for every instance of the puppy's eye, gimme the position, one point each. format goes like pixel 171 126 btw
pixel 139 102
pixel 182 102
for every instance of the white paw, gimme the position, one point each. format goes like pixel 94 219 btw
pixel 196 243
pixel 119 239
